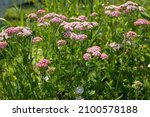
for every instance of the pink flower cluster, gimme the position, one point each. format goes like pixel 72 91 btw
pixel 18 30
pixel 61 42
pixel 140 21
pixel 95 51
pixel 72 35
pixel 43 63
pixel 78 25
pixel 3 44
pixel 51 17
pixel 79 18
pixel 131 35
pixel 40 11
pixel 128 7
pixel 36 39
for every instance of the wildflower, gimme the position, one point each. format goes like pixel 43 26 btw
pixel 41 20
pixel 108 12
pixel 94 50
pixel 148 65
pixel 43 24
pixel 46 78
pixel 131 8
pixel 80 37
pixel 25 32
pixel 62 17
pixel 3 44
pixel 140 21
pixel 49 15
pixel 93 14
pixel 115 46
pixel 115 13
pixel 3 35
pixel 137 85
pixel 103 56
pixel 40 11
pixel 79 90
pixel 10 31
pixel 37 39
pixel 67 34
pixel 61 43
pixel 83 18
pixel 32 16
pixel 43 63
pixel 131 34
pixel 141 9
pixel 56 20
pixel 87 56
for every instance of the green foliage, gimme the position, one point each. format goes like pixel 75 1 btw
pixel 123 76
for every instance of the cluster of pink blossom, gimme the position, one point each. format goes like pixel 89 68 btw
pixel 78 25
pixel 44 18
pixel 3 44
pixel 61 42
pixel 36 39
pixel 79 18
pixel 72 35
pixel 18 30
pixel 95 51
pixel 43 63
pixel 128 7
pixel 140 21
pixel 131 35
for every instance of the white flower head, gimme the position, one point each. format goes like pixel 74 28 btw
pixel 79 90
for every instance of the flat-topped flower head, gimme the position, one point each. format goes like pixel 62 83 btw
pixel 43 63
pixel 87 56
pixel 32 16
pixel 40 11
pixel 61 42
pixel 94 50
pixel 36 39
pixel 115 13
pixel 141 21
pixel 104 56
pixel 3 44
pixel 131 34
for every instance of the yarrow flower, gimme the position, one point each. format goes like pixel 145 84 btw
pixel 115 13
pixel 40 11
pixel 43 63
pixel 36 39
pixel 104 56
pixel 94 50
pixel 56 20
pixel 131 34
pixel 137 85
pixel 25 32
pixel 61 43
pixel 32 16
pixel 87 56
pixel 3 44
pixel 140 21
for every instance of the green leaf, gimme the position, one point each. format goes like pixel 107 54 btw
pixel 145 16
